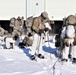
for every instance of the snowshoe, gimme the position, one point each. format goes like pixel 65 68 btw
pixel 41 56
pixel 32 57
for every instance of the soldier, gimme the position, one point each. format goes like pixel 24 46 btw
pixel 68 35
pixel 12 24
pixel 38 28
pixel 47 22
pixel 18 26
pixel 20 20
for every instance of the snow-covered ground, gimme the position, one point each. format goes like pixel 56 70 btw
pixel 17 62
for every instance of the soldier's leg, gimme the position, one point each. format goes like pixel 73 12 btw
pixel 13 45
pixel 7 43
pixel 40 50
pixel 12 42
pixel 46 36
pixel 34 46
pixel 65 52
pixel 73 52
pixel 71 45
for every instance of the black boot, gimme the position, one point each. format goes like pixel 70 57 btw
pixel 21 45
pixel 41 56
pixel 11 45
pixel 32 57
pixel 74 60
pixel 69 56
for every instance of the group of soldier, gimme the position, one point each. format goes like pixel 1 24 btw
pixel 31 32
pixel 36 30
pixel 14 32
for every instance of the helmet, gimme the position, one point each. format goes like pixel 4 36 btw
pixel 44 15
pixel 71 19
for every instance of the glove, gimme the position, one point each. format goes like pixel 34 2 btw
pixel 46 29
pixel 41 31
pixel 57 44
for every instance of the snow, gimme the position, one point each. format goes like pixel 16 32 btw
pixel 17 62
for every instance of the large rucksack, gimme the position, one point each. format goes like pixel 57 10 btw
pixel 37 25
pixel 29 21
pixel 27 41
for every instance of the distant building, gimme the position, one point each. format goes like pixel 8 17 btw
pixel 57 9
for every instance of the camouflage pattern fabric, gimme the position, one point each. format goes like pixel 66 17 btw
pixel 2 31
pixel 27 41
pixel 35 24
pixel 28 25
pixel 16 32
pixel 17 26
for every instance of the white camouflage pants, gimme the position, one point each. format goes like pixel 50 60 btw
pixel 66 50
pixel 37 44
pixel 8 41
